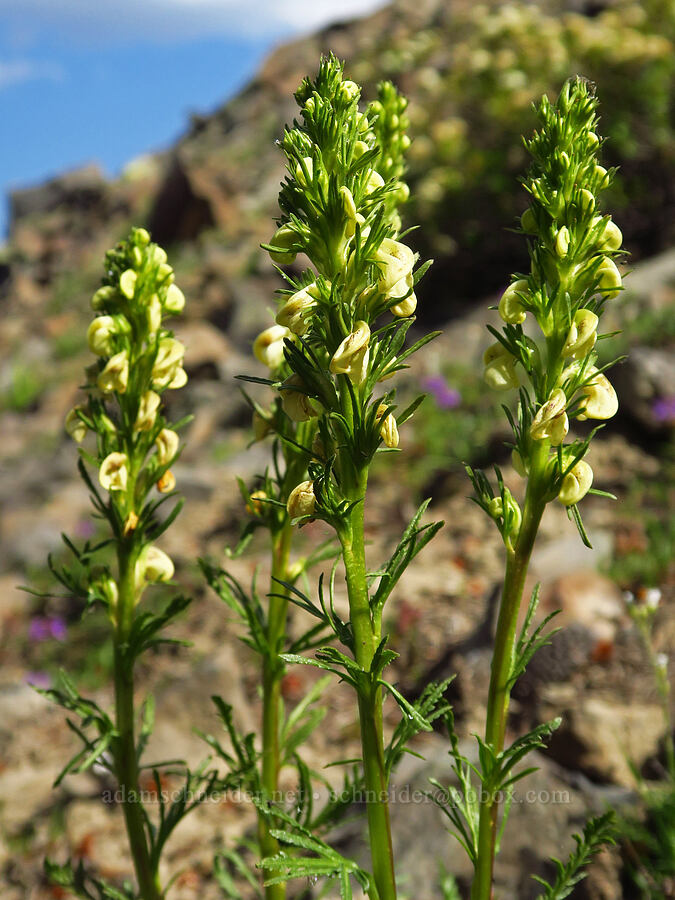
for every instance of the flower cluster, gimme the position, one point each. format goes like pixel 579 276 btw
pixel 573 274
pixel 137 360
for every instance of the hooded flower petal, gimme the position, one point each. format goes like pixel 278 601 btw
pixel 551 422
pixel 268 347
pixel 576 484
pixel 114 472
pixel 301 501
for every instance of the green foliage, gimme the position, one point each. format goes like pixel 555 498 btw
pixel 24 389
pixel 598 832
pixel 648 843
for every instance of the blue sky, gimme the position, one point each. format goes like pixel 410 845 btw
pixel 107 80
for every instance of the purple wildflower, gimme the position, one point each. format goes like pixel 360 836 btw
pixel 663 409
pixel 42 628
pixel 446 397
pixel 38 679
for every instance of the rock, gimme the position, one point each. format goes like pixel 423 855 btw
pixel 645 383
pixel 585 598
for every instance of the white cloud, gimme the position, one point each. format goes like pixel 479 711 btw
pixel 117 20
pixel 19 71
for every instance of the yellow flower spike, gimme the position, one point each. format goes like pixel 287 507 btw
pixel 295 312
pixel 102 297
pixel 128 283
pixel 582 334
pixel 551 420
pixel 576 484
pixel 74 425
pixel 388 427
pixel 351 357
pixel 600 400
pixel 268 347
pixel 562 242
pixel 511 307
pixel 167 446
pixel 147 411
pixel 609 279
pixel 283 239
pixel 114 472
pixel 255 506
pixel 167 482
pixel 295 403
pixel 115 376
pixel 500 373
pixel 100 334
pixel 175 300
pixel 153 565
pixel 168 362
pixel 154 314
pixel 396 261
pixel 301 501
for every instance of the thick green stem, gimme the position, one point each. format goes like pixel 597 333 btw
pixel 124 748
pixel 366 640
pixel 499 693
pixel 273 670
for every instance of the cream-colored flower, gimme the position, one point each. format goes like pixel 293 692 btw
pixel 582 334
pixel 551 422
pixel 562 242
pixel 167 482
pixel 295 313
pixel 609 279
pixel 295 403
pixel 395 261
pixel 74 424
pixel 153 565
pixel 352 356
pixel 301 501
pixel 179 379
pixel 348 204
pixel 268 347
pixel 128 280
pixel 610 236
pixel 114 472
pixel 175 299
pixel 147 411
pixel 168 362
pixel 576 484
pixel 388 426
pixel 165 273
pixel 100 334
pixel 586 201
pixel 511 307
pixel 102 297
pixel 154 314
pixel 600 400
pixel 167 446
pixel 115 376
pixel 408 305
pixel 500 368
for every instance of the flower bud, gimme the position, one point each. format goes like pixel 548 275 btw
pixel 360 147
pixel 102 297
pixel 301 501
pixel 375 181
pixel 576 484
pixel 175 300
pixel 128 283
pixel 136 257
pixel 586 201
pixel 352 356
pixel 115 376
pixel 610 236
pixel 609 279
pixel 283 240
pixel 165 273
pixel 114 472
pixel 140 236
pixel 167 446
pixel 297 310
pixel 302 179
pixel 348 205
pixel 167 482
pixel 268 347
pixel 500 373
pixel 100 334
pixel 158 255
pixel 582 334
pixel 74 424
pixel 295 403
pixel 562 242
pixel 551 420
pixel 147 411
pixel 167 365
pixel 350 90
pixel 255 506
pixel 600 400
pixel 153 565
pixel 511 307
pixel 388 427
pixel 602 176
pixel 528 222
pixel 154 314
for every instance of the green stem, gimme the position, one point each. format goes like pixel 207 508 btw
pixel 273 671
pixel 124 747
pixel 366 640
pixel 499 693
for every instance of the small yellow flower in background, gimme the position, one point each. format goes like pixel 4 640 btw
pixel 128 283
pixel 551 420
pixel 576 484
pixel 168 364
pixel 100 334
pixel 301 501
pixel 255 505
pixel 600 400
pixel 74 425
pixel 610 279
pixel 295 403
pixel 115 376
pixel 500 368
pixel 388 427
pixel 114 472
pixel 351 357
pixel 511 307
pixel 582 335
pixel 295 312
pixel 147 411
pixel 153 565
pixel 268 347
pixel 167 446
pixel 175 299
pixel 167 482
